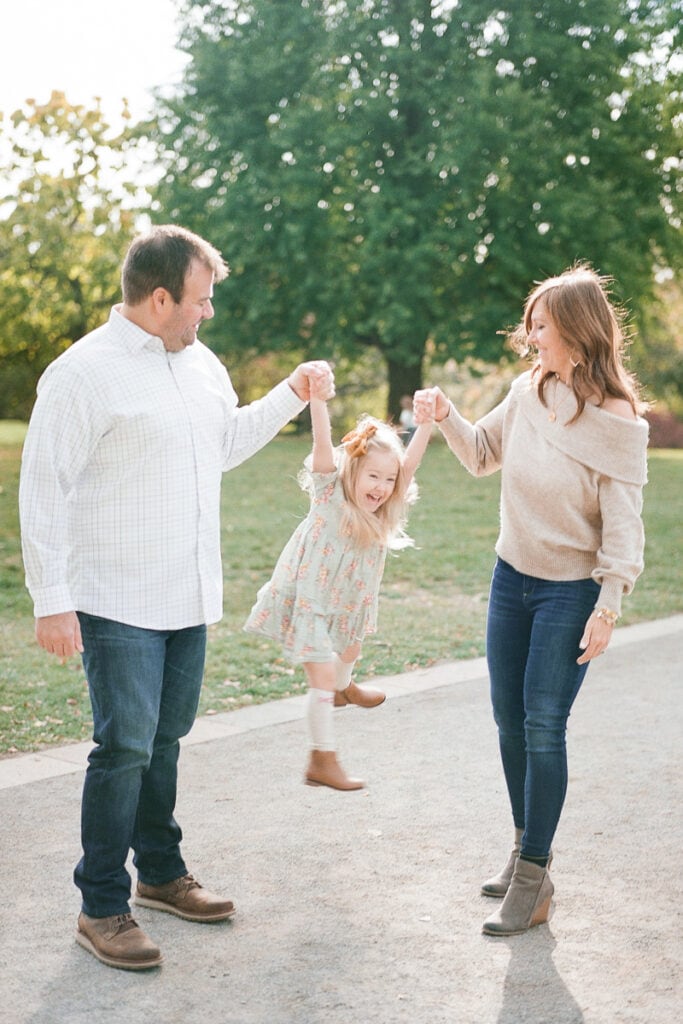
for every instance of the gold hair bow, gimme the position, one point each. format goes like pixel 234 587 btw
pixel 356 441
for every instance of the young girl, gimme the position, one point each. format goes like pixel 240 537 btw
pixel 322 598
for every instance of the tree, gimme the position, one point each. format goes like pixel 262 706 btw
pixel 657 354
pixel 63 230
pixel 394 174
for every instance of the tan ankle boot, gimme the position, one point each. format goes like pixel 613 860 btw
pixel 324 770
pixel 526 903
pixel 500 883
pixel 361 696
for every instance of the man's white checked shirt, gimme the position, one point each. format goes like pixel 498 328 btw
pixel 121 476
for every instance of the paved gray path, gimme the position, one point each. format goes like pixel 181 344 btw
pixel 364 908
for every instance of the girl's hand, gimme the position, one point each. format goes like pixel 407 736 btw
pixel 595 639
pixel 321 388
pixel 314 378
pixel 430 405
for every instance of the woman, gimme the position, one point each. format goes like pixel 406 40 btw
pixel 571 448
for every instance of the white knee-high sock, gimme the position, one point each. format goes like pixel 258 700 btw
pixel 320 719
pixel 343 671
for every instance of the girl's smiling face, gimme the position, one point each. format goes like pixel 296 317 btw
pixel 376 480
pixel 553 353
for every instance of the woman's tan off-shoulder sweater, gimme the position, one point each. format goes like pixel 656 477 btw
pixel 571 494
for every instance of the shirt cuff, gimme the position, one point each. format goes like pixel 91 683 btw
pixel 51 601
pixel 287 399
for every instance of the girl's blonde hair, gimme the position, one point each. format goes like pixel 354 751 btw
pixel 387 525
pixel 593 328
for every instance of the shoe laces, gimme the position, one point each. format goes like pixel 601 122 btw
pixel 124 923
pixel 187 883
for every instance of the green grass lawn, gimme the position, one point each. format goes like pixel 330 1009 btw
pixel 433 600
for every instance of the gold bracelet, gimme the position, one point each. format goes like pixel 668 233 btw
pixel 607 615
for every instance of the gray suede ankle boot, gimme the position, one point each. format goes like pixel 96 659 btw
pixel 526 903
pixel 500 883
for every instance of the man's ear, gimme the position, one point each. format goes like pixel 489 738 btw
pixel 161 300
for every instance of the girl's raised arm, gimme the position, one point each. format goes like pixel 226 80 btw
pixel 322 460
pixel 416 448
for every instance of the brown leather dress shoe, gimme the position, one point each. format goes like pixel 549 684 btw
pixel 361 696
pixel 186 898
pixel 118 941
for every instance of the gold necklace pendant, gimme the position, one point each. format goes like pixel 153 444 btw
pixel 552 413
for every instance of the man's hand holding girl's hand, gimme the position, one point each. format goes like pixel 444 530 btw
pixel 313 379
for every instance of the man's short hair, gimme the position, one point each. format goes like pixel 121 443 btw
pixel 161 258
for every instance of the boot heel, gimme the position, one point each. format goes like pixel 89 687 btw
pixel 540 915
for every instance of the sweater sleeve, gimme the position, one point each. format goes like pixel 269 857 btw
pixel 620 555
pixel 478 446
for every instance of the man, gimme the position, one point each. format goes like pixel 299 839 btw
pixel 119 499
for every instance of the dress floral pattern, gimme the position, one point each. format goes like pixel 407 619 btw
pixel 323 593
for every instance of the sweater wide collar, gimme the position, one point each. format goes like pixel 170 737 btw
pixel 600 440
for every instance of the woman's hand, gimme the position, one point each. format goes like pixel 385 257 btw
pixel 595 639
pixel 430 405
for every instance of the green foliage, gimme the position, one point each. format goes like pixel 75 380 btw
pixel 433 598
pixel 63 231
pixel 657 354
pixel 392 176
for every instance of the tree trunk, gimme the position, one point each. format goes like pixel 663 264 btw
pixel 404 379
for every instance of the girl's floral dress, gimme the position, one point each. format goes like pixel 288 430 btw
pixel 323 593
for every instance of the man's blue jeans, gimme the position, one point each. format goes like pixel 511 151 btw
pixel 144 690
pixel 532 642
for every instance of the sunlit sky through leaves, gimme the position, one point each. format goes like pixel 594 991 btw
pixel 88 48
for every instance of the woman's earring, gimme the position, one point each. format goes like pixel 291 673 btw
pixel 575 364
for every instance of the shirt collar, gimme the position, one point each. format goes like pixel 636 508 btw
pixel 134 338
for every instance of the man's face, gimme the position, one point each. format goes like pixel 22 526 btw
pixel 182 320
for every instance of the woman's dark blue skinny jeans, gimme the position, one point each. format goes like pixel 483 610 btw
pixel 532 642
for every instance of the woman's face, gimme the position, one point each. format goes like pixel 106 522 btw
pixel 553 353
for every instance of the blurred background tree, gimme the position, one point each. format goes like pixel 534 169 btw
pixel 386 178
pixel 64 226
pixel 391 175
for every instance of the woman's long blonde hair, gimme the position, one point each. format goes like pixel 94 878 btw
pixel 593 328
